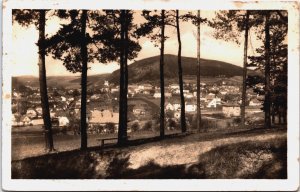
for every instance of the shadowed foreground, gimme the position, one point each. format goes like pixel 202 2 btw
pixel 250 156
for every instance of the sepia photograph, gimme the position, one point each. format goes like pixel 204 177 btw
pixel 153 96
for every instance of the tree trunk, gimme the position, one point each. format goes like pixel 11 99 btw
pixel 182 115
pixel 121 128
pixel 243 106
pixel 43 82
pixel 267 72
pixel 83 52
pixel 162 83
pixel 198 75
pixel 126 40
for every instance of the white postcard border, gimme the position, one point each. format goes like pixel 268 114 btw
pixel 292 183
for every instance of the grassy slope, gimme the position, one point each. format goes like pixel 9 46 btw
pixel 254 154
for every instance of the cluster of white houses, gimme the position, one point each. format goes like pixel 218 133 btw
pixel 26 120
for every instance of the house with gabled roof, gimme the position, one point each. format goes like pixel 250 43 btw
pixel 169 106
pixel 173 104
pixel 39 111
pixel 157 95
pixel 174 86
pixel 190 105
pixel 25 120
pixel 231 110
pixel 31 113
pixel 210 96
pixel 139 110
pixel 214 103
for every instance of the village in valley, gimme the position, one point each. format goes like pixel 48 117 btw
pixel 220 99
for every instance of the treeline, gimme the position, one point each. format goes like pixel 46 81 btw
pixel 112 35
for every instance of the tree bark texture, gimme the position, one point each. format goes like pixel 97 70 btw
pixel 126 40
pixel 122 119
pixel 162 82
pixel 243 105
pixel 83 52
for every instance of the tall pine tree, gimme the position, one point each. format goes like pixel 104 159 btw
pixel 227 26
pixel 180 75
pixel 156 20
pixel 271 58
pixel 196 20
pixel 38 18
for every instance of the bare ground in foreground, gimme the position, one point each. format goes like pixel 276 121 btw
pixel 258 153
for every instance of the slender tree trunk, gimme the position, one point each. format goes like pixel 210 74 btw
pixel 83 52
pixel 243 106
pixel 267 72
pixel 121 128
pixel 126 40
pixel 162 82
pixel 198 75
pixel 182 115
pixel 43 82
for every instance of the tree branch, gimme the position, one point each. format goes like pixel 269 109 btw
pixel 283 18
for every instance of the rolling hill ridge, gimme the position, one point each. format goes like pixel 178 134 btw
pixel 148 69
pixel 144 70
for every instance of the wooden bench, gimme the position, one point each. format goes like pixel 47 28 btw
pixel 107 139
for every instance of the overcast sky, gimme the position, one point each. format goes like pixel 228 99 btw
pixel 25 55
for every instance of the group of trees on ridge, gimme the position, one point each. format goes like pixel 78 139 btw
pixel 112 35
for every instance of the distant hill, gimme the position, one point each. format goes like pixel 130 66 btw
pixel 147 70
pixel 72 82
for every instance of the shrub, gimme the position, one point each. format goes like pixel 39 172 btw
pixel 190 118
pixel 169 114
pixel 156 127
pixel 172 124
pixel 237 121
pixel 205 123
pixel 74 126
pixel 157 119
pixel 218 115
pixel 148 125
pixel 110 127
pixel 228 124
pixel 93 129
pixel 135 126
